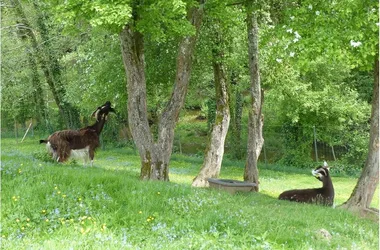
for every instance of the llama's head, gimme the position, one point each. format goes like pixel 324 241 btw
pixel 102 111
pixel 321 172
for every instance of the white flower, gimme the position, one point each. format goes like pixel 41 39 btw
pixel 292 18
pixel 289 30
pixel 310 6
pixel 355 44
pixel 295 40
pixel 297 35
pixel 279 60
pixel 291 54
pixel 317 12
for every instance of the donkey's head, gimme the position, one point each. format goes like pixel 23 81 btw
pixel 102 111
pixel 321 172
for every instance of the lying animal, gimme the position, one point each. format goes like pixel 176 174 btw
pixel 322 196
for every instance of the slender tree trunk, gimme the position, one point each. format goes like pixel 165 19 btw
pixel 237 149
pixel 49 69
pixel 38 93
pixel 365 188
pixel 215 148
pixel 155 156
pixel 70 113
pixel 255 122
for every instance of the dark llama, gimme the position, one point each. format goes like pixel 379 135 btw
pixel 322 196
pixel 79 143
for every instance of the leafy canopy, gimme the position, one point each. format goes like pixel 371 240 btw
pixel 158 19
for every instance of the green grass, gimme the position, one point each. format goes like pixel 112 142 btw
pixel 45 205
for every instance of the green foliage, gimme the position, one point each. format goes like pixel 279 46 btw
pixel 313 28
pixel 60 206
pixel 158 19
pixel 319 79
pixel 99 13
pixel 95 74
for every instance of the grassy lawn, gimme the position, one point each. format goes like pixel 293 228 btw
pixel 45 205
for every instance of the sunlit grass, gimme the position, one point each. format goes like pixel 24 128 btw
pixel 46 205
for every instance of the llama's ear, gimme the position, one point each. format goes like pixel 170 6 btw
pixel 95 113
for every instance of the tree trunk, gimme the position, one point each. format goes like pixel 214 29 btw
pixel 255 122
pixel 53 75
pixel 361 197
pixel 67 112
pixel 236 119
pixel 38 93
pixel 155 156
pixel 215 148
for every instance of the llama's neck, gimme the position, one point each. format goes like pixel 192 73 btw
pixel 98 125
pixel 327 184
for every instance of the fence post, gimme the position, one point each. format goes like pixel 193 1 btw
pixel 315 144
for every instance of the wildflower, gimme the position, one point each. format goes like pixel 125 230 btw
pixel 40 165
pixel 317 12
pixel 292 18
pixel 55 187
pixel 291 54
pixel 140 212
pixel 64 196
pixel 59 192
pixel 44 211
pixel 27 219
pixel 47 220
pixel 22 228
pixel 355 44
pixel 297 35
pixel 19 171
pixel 279 60
pixel 158 193
pixel 79 199
pixel 17 220
pixel 310 7
pixel 289 30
